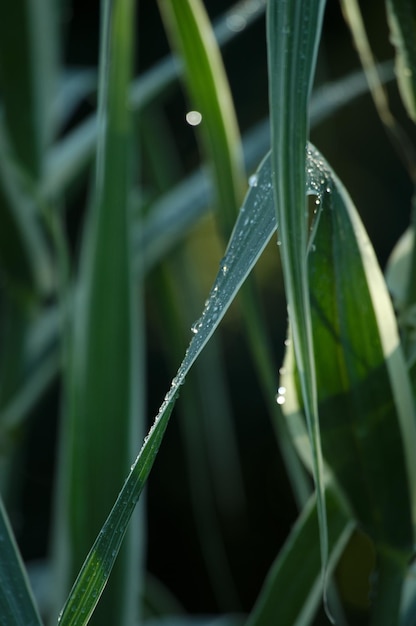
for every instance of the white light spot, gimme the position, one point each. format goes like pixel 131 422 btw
pixel 280 399
pixel 253 180
pixel 193 118
pixel 236 22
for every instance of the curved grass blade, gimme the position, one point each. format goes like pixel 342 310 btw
pixel 17 606
pixel 397 135
pixel 104 374
pixel 367 415
pixel 281 601
pixel 402 21
pixel 400 279
pixel 293 33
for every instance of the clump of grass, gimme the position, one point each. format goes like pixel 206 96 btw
pixel 344 419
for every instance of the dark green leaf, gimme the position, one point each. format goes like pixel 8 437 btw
pixel 17 606
pixel 104 375
pixel 27 71
pixel 292 591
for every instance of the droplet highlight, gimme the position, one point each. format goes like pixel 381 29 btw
pixel 194 118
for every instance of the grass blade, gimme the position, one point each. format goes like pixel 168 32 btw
pixel 27 57
pixel 70 156
pixel 104 372
pixel 17 606
pixel 366 386
pixel 254 228
pixel 189 28
pixel 24 253
pixel 402 20
pixel 210 94
pixel 281 601
pixel 397 135
pixel 293 33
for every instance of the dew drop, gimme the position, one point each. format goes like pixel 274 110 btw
pixel 193 118
pixel 253 180
pixel 280 399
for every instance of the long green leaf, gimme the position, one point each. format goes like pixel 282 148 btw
pixel 400 278
pixel 28 56
pixel 17 606
pixel 104 376
pixel 402 21
pixel 366 409
pixel 255 225
pixel 293 33
pixel 292 591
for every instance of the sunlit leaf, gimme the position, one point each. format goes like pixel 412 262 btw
pixel 366 410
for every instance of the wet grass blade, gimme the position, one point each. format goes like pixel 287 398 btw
pixel 293 33
pixel 254 228
pixel 209 443
pixel 104 376
pixel 17 606
pixel 402 21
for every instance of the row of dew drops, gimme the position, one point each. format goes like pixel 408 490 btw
pixel 319 182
